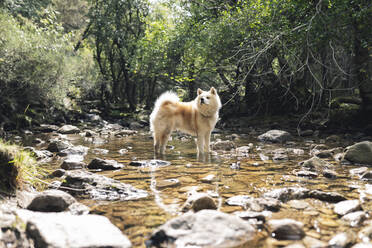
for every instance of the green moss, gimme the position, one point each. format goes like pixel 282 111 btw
pixel 18 168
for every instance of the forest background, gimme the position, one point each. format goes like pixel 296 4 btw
pixel 304 59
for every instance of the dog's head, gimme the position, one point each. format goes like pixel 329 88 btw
pixel 208 102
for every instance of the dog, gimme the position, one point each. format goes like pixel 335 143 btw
pixel 197 118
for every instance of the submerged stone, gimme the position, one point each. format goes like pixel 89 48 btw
pixel 100 187
pixel 286 229
pixel 150 163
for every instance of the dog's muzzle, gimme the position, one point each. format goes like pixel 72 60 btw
pixel 202 101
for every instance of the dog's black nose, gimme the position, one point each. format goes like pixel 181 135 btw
pixel 201 100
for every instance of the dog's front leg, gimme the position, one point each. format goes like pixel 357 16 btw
pixel 200 143
pixel 207 138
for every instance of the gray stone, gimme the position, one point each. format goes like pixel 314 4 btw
pixel 58 145
pixel 71 164
pixel 199 201
pixel 100 187
pixel 314 164
pixel 311 242
pixel 362 245
pixel 206 228
pixel 68 129
pixel 243 151
pixel 358 171
pixel 75 152
pixel 355 219
pixel 254 204
pixel 348 206
pixel 275 136
pixel 223 145
pixel 359 153
pixel 51 201
pixel 287 194
pixel 331 174
pixel 286 229
pixel 342 240
pixel 366 175
pixel 104 164
pixel 332 197
pixel 60 230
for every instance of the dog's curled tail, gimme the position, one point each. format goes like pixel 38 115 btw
pixel 168 96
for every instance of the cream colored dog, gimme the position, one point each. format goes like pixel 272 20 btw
pixel 197 118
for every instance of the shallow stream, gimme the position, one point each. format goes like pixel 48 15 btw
pixel 221 175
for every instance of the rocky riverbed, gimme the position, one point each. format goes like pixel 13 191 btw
pixel 260 187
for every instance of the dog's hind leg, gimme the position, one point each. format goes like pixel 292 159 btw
pixel 156 142
pixel 164 140
pixel 207 139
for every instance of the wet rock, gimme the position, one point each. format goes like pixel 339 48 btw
pixel 46 128
pixel 68 129
pixel 243 151
pixel 332 197
pixel 71 164
pixel 78 209
pixel 38 141
pixel 94 118
pixel 280 154
pixel 199 201
pixel 149 163
pixel 286 194
pixel 342 240
pixel 366 175
pixel 205 228
pixel 358 171
pixel 306 173
pixel 359 153
pixel 355 219
pixel 43 155
pixel 223 145
pixel 330 174
pixel 61 230
pixel 324 154
pixel 299 204
pixel 90 133
pixel 100 151
pixel 135 125
pixel 235 166
pixel 100 187
pixel 275 136
pixel 314 164
pixel 104 164
pixel 348 206
pixel 74 151
pixel 286 229
pixel 293 193
pixel 125 132
pixel 259 216
pixel 366 234
pixel 166 183
pixel 254 204
pixel 209 178
pixel 58 173
pixel 51 201
pixel 58 145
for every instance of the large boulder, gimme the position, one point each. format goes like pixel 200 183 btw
pixel 275 136
pixel 359 153
pixel 51 201
pixel 206 228
pixel 61 230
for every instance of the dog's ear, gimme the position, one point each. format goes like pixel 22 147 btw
pixel 199 91
pixel 213 91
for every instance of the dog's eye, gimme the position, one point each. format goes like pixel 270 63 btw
pixel 207 97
